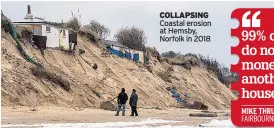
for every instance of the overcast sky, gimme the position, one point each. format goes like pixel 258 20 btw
pixel 145 15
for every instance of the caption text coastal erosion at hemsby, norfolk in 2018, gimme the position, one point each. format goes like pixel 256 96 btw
pixel 182 26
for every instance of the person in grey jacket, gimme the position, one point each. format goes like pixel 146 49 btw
pixel 133 103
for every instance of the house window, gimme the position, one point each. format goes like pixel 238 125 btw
pixel 47 29
pixel 64 33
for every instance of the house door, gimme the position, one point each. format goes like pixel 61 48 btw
pixel 136 57
pixel 63 39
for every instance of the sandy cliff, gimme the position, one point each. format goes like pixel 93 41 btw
pixel 89 87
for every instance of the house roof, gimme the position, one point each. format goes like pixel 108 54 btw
pixel 28 22
pixel 114 43
pixel 55 24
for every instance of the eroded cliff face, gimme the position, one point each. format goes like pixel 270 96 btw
pixel 88 87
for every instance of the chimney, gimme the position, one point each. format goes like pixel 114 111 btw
pixel 29 16
pixel 29 11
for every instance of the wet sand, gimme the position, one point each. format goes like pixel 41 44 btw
pixel 53 114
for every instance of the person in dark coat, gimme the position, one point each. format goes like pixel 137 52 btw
pixel 122 99
pixel 133 103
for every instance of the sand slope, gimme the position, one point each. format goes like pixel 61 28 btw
pixel 21 87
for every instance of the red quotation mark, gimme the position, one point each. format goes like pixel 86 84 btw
pixel 256 31
pixel 255 22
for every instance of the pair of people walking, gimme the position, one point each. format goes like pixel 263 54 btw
pixel 122 99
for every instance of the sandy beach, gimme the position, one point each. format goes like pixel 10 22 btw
pixel 52 114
